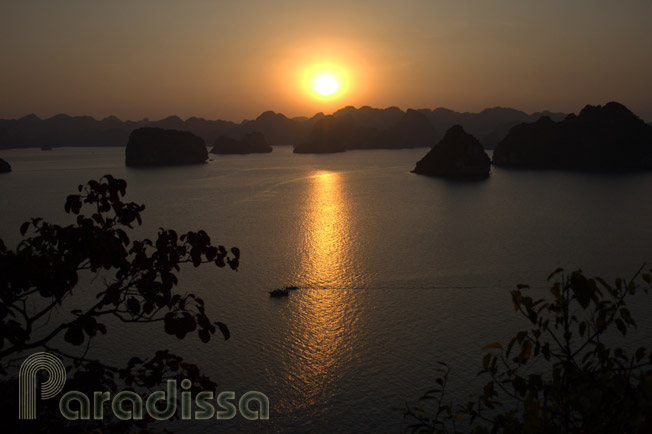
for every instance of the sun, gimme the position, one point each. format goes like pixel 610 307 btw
pixel 325 84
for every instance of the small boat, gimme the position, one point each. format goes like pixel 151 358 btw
pixel 279 292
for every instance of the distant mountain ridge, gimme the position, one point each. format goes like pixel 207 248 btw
pixel 368 128
pixel 489 126
pixel 252 143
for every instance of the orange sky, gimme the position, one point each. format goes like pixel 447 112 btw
pixel 234 60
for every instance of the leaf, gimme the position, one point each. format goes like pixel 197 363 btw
pixel 211 253
pixel 510 345
pixel 621 326
pixel 624 313
pixel 73 203
pixel 583 289
pixel 521 335
pixel 485 361
pixel 556 292
pixel 74 334
pixel 98 218
pixel 170 326
pixel 517 299
pixel 122 186
pixel 604 284
pixel 640 354
pixel 224 329
pixel 23 228
pixel 89 325
pixel 524 355
pixel 488 389
pixel 123 236
pixel 133 305
pixel 204 335
pixel 557 271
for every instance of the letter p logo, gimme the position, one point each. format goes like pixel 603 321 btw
pixel 27 382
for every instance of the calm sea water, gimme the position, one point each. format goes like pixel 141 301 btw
pixel 397 271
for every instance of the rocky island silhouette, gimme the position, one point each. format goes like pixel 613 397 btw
pixel 159 147
pixel 608 137
pixel 458 154
pixel 4 166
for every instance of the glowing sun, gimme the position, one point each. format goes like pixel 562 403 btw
pixel 325 84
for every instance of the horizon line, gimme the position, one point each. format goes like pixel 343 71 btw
pixel 148 119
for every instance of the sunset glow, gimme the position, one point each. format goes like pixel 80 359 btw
pixel 327 82
pixel 331 207
pixel 207 60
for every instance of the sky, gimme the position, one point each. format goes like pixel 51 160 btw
pixel 232 60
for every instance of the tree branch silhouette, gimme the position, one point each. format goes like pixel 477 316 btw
pixel 39 277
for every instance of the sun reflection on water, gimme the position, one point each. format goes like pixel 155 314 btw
pixel 327 261
pixel 325 319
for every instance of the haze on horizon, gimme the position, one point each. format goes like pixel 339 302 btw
pixel 234 60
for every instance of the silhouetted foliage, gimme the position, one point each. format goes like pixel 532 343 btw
pixel 40 276
pixel 562 375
